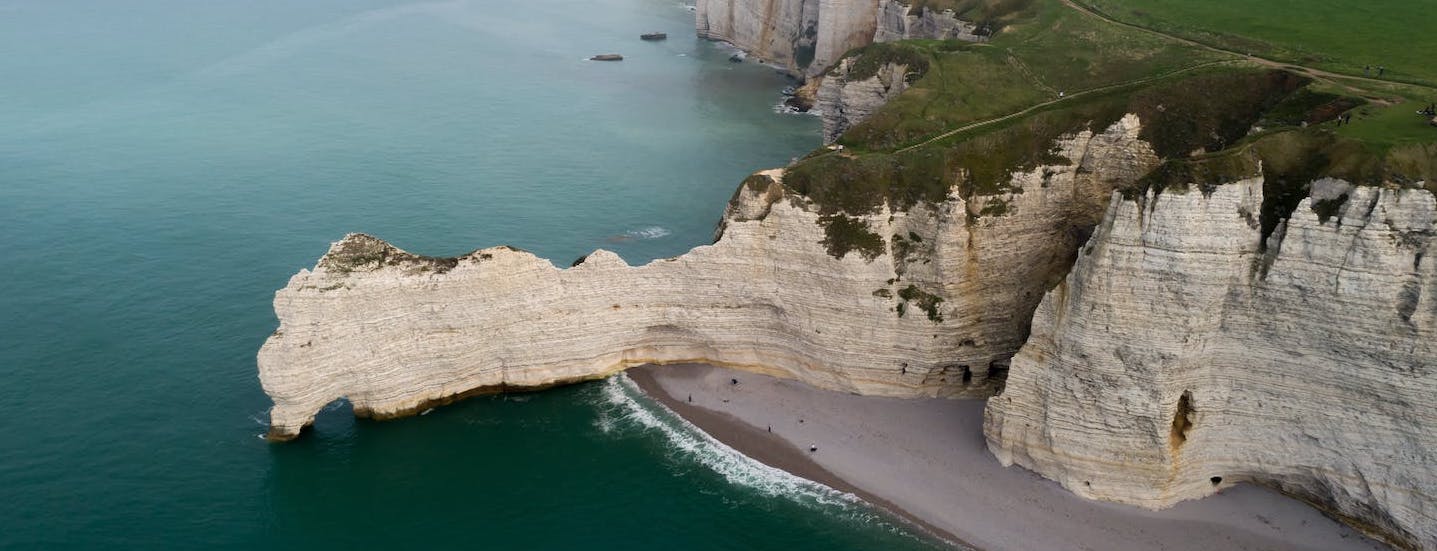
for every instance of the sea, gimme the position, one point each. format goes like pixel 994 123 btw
pixel 166 165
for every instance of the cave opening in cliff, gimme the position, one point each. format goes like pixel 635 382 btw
pixel 337 416
pixel 967 374
pixel 1182 419
pixel 1215 480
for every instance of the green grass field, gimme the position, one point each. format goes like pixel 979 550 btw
pixel 1054 50
pixel 1335 35
pixel 976 112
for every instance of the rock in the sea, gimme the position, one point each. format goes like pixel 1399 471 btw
pixel 932 308
pixel 653 36
pixel 607 57
pixel 805 97
pixel 1187 352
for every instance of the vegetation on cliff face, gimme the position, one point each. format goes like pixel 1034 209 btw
pixel 360 251
pixel 844 234
pixel 868 60
pixel 928 302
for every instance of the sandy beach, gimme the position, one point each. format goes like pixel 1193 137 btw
pixel 926 461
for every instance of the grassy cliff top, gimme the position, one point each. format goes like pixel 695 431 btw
pixel 1335 35
pixel 980 111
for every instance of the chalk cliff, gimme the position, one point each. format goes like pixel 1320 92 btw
pixel 932 309
pixel 899 21
pixel 809 36
pixel 1185 353
pixel 846 99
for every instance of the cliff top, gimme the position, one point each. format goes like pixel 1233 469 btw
pixel 976 112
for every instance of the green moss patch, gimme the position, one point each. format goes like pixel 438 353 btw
pixel 869 59
pixel 360 250
pixel 844 234
pixel 924 300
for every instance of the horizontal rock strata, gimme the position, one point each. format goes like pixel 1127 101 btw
pixel 809 36
pixel 938 309
pixel 1185 353
pixel 843 103
pixel 899 21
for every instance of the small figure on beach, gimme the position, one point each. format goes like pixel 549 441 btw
pixel 770 428
pixel 812 448
pixel 691 398
pixel 733 382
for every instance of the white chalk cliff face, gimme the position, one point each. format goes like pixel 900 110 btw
pixel 843 103
pixel 899 21
pixel 938 309
pixel 1181 356
pixel 809 36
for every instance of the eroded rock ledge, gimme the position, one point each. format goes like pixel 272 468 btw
pixel 934 306
pixel 1184 354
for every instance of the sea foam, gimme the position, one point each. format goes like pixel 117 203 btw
pixel 651 232
pixel 623 407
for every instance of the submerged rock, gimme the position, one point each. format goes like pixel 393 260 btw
pixel 607 57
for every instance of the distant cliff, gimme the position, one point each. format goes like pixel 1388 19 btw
pixel 809 36
pixel 1186 353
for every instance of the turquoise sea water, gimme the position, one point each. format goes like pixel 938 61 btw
pixel 165 165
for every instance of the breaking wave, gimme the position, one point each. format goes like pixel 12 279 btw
pixel 623 408
pixel 651 232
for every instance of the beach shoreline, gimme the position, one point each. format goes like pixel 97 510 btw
pixel 764 446
pixel 925 461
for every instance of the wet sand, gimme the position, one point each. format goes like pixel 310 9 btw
pixel 926 461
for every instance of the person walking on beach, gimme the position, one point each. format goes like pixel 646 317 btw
pixel 691 398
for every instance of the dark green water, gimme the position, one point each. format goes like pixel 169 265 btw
pixel 165 165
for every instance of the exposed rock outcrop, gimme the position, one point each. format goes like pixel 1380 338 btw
pixel 1184 353
pixel 843 103
pixel 933 309
pixel 809 36
pixel 899 21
